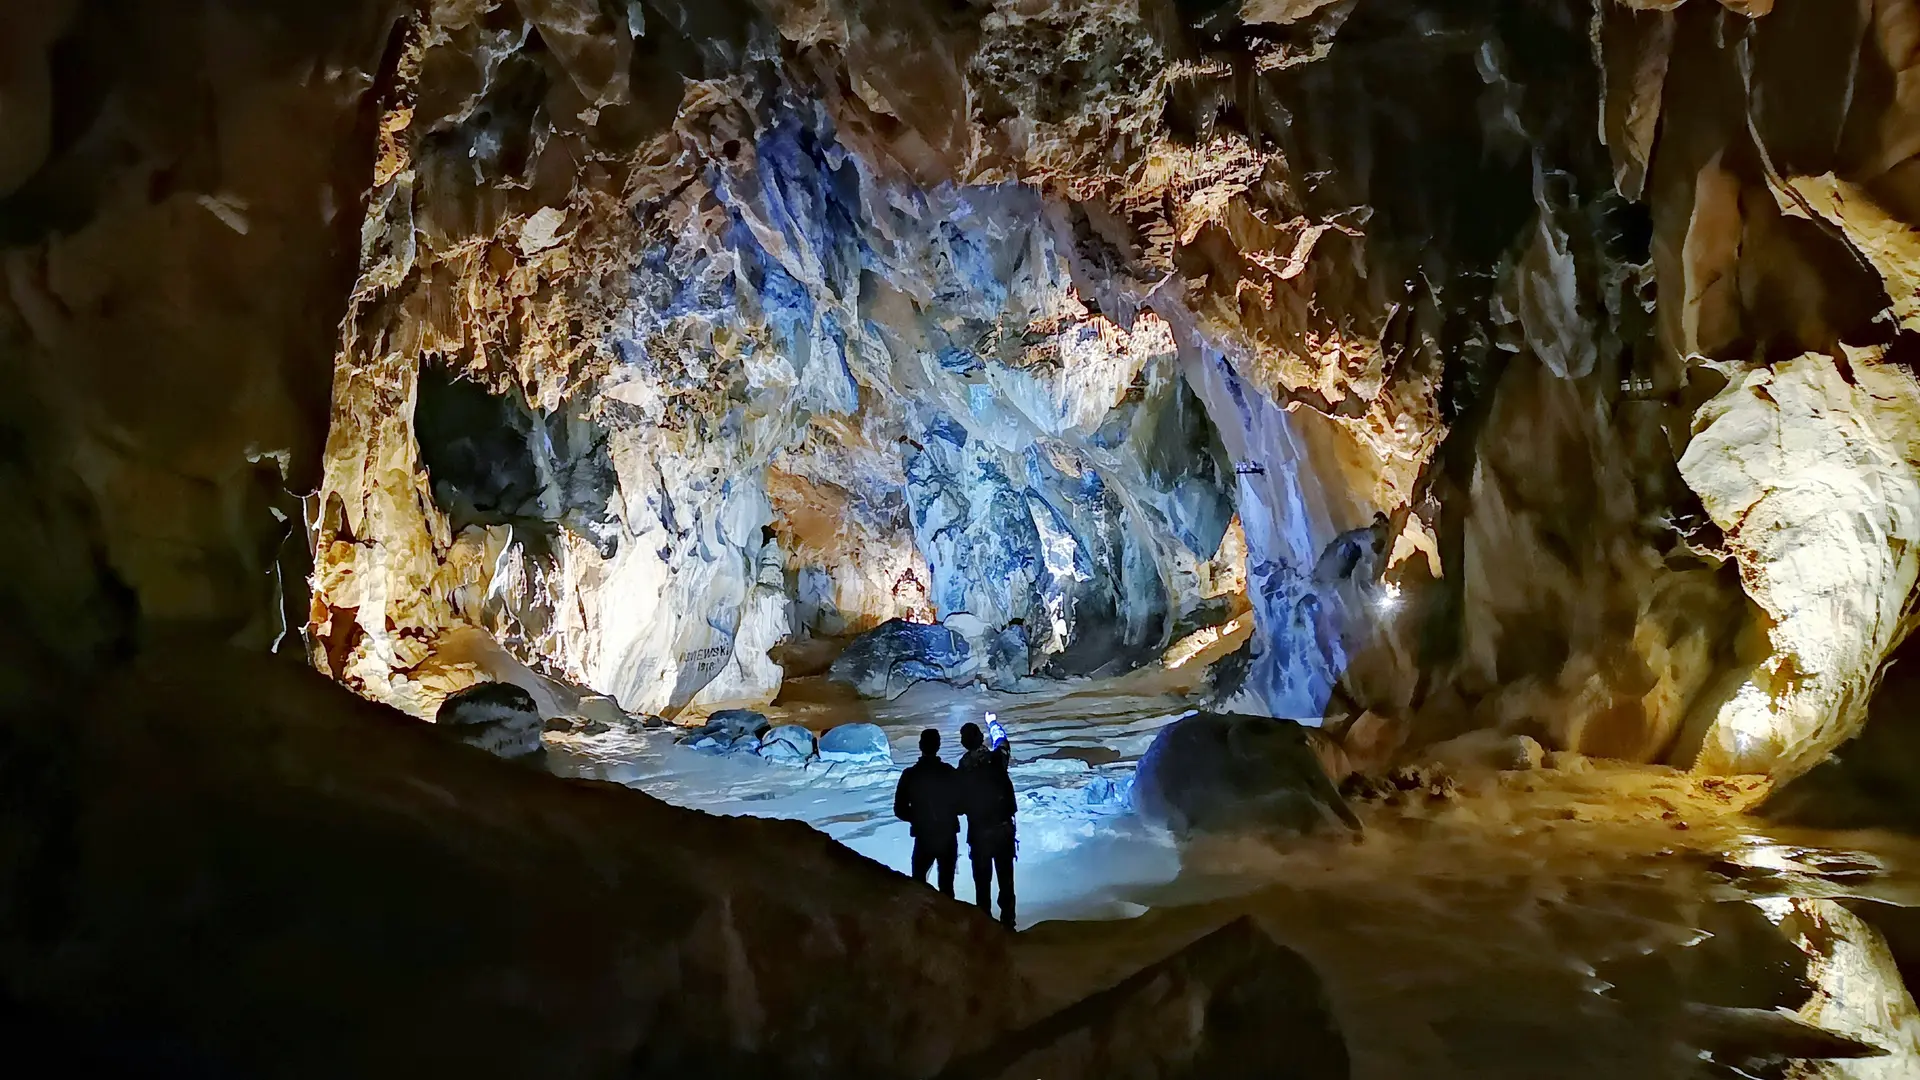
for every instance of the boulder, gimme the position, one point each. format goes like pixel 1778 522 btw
pixel 884 661
pixel 860 744
pixel 788 744
pixel 1329 753
pixel 1487 751
pixel 603 710
pixel 577 725
pixel 1106 793
pixel 1009 657
pixel 497 717
pixel 1206 612
pixel 729 729
pixel 1372 741
pixel 1221 772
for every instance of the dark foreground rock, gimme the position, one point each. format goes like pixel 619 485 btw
pixel 885 661
pixel 226 862
pixel 1232 1005
pixel 1220 772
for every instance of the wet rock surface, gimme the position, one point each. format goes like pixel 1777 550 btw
pixel 729 730
pixel 788 744
pixel 1231 1005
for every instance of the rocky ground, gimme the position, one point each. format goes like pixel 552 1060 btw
pixel 223 864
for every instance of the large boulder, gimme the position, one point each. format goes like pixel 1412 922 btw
pixel 788 744
pixel 885 661
pixel 859 744
pixel 497 717
pixel 1487 751
pixel 727 730
pixel 1223 772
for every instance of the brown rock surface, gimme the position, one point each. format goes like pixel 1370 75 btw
pixel 243 862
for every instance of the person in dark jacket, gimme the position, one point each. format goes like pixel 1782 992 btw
pixel 986 797
pixel 928 799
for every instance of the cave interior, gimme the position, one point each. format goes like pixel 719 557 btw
pixel 498 488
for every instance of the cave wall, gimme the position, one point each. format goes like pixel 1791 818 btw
pixel 877 324
pixel 1541 282
pixel 1776 165
pixel 179 195
pixel 761 319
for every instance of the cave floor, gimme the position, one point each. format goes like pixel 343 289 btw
pixel 1601 920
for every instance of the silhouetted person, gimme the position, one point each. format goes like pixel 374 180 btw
pixel 928 799
pixel 1357 553
pixel 986 797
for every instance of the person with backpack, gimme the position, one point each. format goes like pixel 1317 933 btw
pixel 986 797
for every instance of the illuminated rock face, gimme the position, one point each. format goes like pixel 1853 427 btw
pixel 671 337
pixel 832 361
pixel 871 323
pixel 1815 479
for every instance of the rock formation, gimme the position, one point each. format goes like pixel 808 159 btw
pixel 850 320
pixel 600 348
pixel 497 717
pixel 1219 773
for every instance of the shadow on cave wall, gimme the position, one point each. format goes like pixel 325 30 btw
pixel 495 460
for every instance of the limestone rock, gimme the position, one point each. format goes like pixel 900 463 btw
pixel 1487 750
pixel 729 730
pixel 597 709
pixel 1232 1004
pixel 885 661
pixel 1815 478
pixel 497 717
pixel 194 827
pixel 787 744
pixel 1215 772
pixel 1372 741
pixel 859 744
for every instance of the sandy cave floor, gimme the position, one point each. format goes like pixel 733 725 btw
pixel 1587 921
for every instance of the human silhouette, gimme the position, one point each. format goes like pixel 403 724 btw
pixel 986 797
pixel 928 799
pixel 1359 554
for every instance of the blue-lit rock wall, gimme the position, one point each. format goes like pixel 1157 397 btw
pixel 1299 651
pixel 840 328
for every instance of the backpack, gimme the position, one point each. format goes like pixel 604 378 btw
pixel 987 790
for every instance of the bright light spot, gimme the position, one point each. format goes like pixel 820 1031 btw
pixel 1389 597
